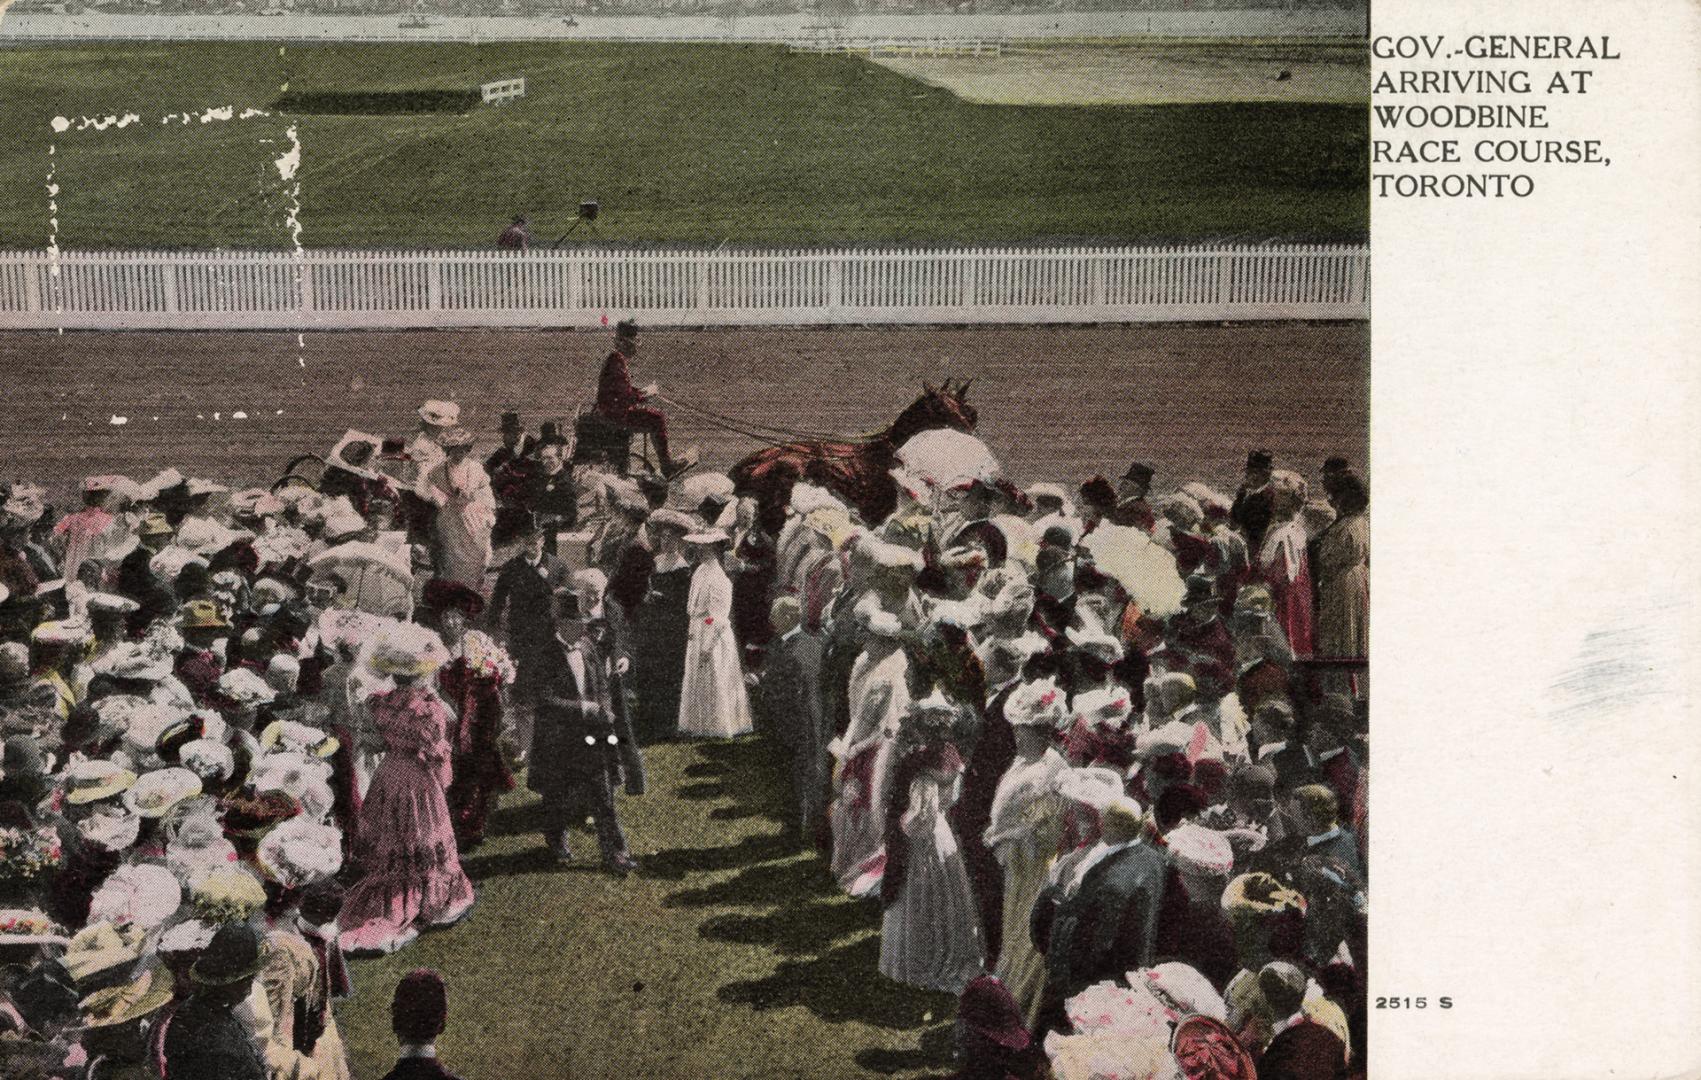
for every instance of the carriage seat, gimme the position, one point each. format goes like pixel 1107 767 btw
pixel 599 440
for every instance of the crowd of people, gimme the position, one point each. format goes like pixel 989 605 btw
pixel 1098 754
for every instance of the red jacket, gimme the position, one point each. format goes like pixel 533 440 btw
pixel 615 392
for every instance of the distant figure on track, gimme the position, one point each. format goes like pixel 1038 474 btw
pixel 515 237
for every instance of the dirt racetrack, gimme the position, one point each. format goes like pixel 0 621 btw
pixel 1056 403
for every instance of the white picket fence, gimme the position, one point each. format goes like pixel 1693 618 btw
pixel 359 290
pixel 503 91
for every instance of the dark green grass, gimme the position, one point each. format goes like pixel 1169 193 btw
pixel 731 953
pixel 683 144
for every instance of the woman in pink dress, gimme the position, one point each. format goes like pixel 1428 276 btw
pixel 412 875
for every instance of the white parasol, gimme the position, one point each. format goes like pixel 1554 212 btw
pixel 380 580
pixel 1145 570
pixel 945 458
pixel 700 485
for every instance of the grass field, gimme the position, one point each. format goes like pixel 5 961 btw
pixel 1153 72
pixel 683 144
pixel 731 954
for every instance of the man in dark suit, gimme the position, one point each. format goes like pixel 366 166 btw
pixel 136 578
pixel 523 591
pixel 1099 920
pixel 206 1040
pixel 790 705
pixel 994 750
pixel 418 1013
pixel 1255 502
pixel 576 744
pixel 516 445
pixel 1132 509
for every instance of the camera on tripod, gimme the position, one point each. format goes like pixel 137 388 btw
pixel 588 211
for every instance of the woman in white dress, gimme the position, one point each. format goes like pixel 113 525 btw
pixel 1023 833
pixel 712 701
pixel 878 696
pixel 466 512
pixel 931 936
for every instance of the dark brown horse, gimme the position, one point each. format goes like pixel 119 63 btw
pixel 856 471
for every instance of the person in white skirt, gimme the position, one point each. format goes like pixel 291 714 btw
pixel 712 702
pixel 931 935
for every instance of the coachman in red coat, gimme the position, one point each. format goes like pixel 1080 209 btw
pixel 621 403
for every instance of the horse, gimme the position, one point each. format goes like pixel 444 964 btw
pixel 857 471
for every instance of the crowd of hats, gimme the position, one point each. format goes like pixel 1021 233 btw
pixel 170 766
pixel 1140 635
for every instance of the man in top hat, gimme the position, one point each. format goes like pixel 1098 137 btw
pixel 576 742
pixel 516 444
pixel 510 467
pixel 523 594
pixel 549 493
pixel 206 1039
pixel 621 403
pixel 1132 509
pixel 1255 501
pixel 418 1013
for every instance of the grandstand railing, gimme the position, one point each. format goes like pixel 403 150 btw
pixel 357 290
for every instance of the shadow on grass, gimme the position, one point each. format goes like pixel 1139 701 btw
pixel 840 985
pixel 517 820
pixel 792 928
pixel 756 778
pixel 675 863
pixel 706 770
pixel 531 860
pixel 767 884
pixel 932 1051
pixel 703 792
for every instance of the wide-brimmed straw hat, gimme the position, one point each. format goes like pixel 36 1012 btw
pixel 90 780
pixel 407 649
pixel 142 996
pixel 440 413
pixel 100 948
pixel 295 736
pixel 155 793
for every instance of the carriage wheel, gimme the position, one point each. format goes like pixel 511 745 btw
pixel 294 472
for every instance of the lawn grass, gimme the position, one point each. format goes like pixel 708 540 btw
pixel 682 144
pixel 731 954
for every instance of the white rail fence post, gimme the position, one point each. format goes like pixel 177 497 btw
pixel 368 289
